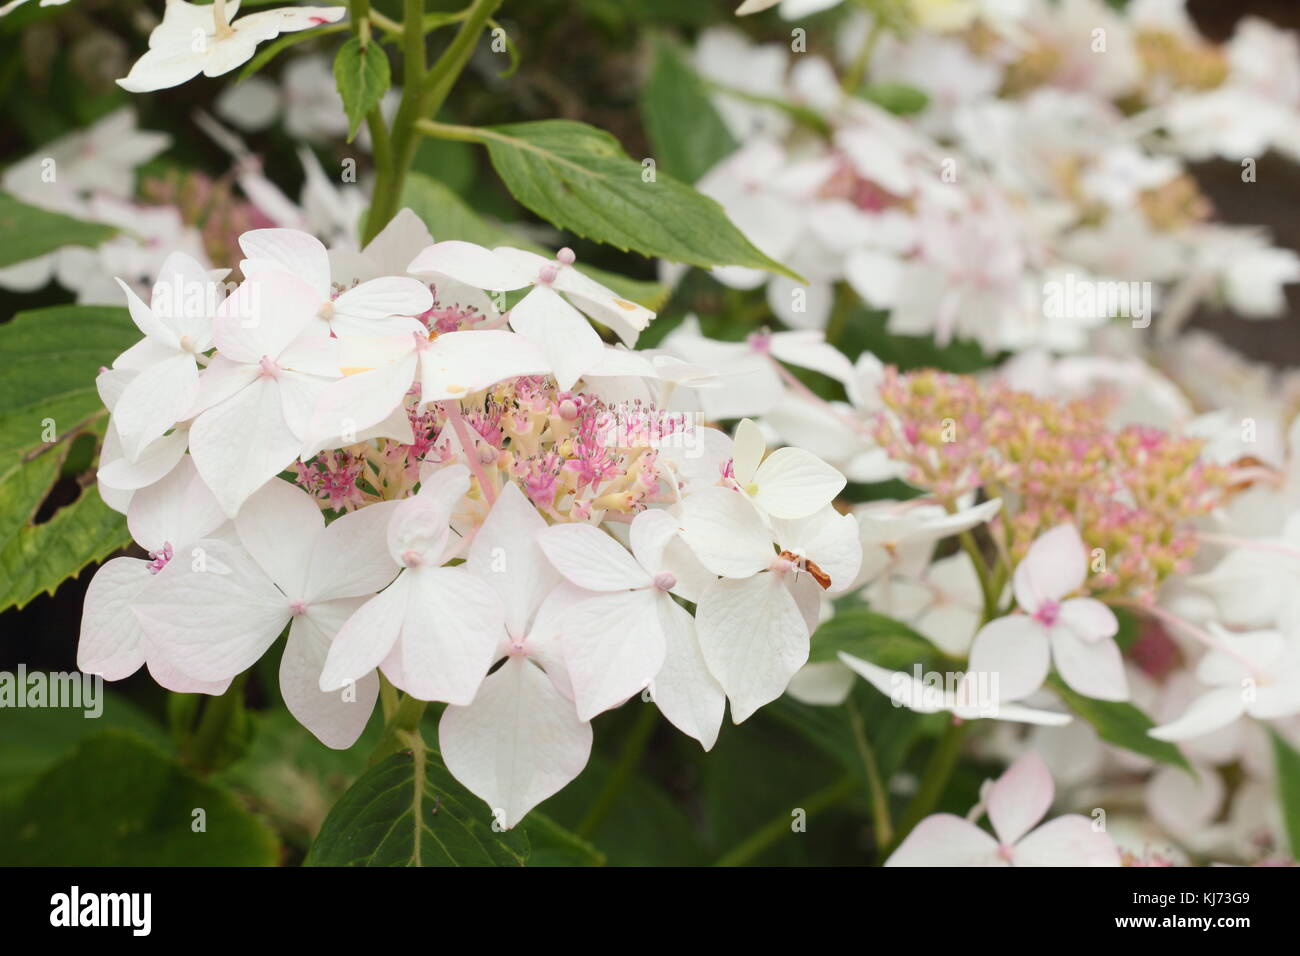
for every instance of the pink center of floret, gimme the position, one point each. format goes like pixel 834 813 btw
pixel 297 608
pixel 268 367
pixel 1048 613
pixel 665 581
pixel 160 557
pixel 1006 852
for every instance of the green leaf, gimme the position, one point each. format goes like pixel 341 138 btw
pixel 37 738
pixel 873 637
pixel 553 845
pixel 118 801
pixel 866 330
pixel 450 217
pixel 688 135
pixel 891 730
pixel 1130 628
pixel 362 76
pixel 50 358
pixel 1288 786
pixel 1121 724
pixel 646 826
pixel 578 178
pixel 410 811
pixel 27 232
pixel 759 772
pixel 293 779
pixel 36 558
pixel 898 98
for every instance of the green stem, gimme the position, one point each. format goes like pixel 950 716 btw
pixel 442 76
pixel 982 571
pixel 1000 575
pixel 387 697
pixel 202 750
pixel 409 712
pixel 935 778
pixel 799 113
pixel 880 820
pixel 359 17
pixel 483 135
pixel 424 91
pixel 762 839
pixel 839 317
pixel 857 71
pixel 402 730
pixel 628 759
pixel 391 27
pixel 460 134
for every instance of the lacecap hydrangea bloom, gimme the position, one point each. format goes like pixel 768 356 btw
pixel 482 505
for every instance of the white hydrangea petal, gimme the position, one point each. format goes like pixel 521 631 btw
pixel 449 636
pixel 725 533
pixel 1055 565
pixel 1013 650
pixel 613 646
pixel 591 559
pixel 1066 841
pixel 684 689
pixel 473 265
pixel 243 443
pixel 459 363
pixel 506 553
pixel 348 406
pixel 1093 668
pixel 367 637
pixel 753 638
pixel 177 510
pixel 336 718
pixel 747 450
pixel 517 743
pixel 112 643
pixel 281 526
pixel 153 401
pixel 1209 712
pixel 946 840
pixel 231 612
pixel 794 483
pixel 363 310
pixel 1020 797
pixel 292 251
pixel 571 345
pixel 351 557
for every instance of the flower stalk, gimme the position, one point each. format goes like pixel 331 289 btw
pixel 425 90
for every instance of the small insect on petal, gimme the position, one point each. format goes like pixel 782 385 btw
pixel 821 577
